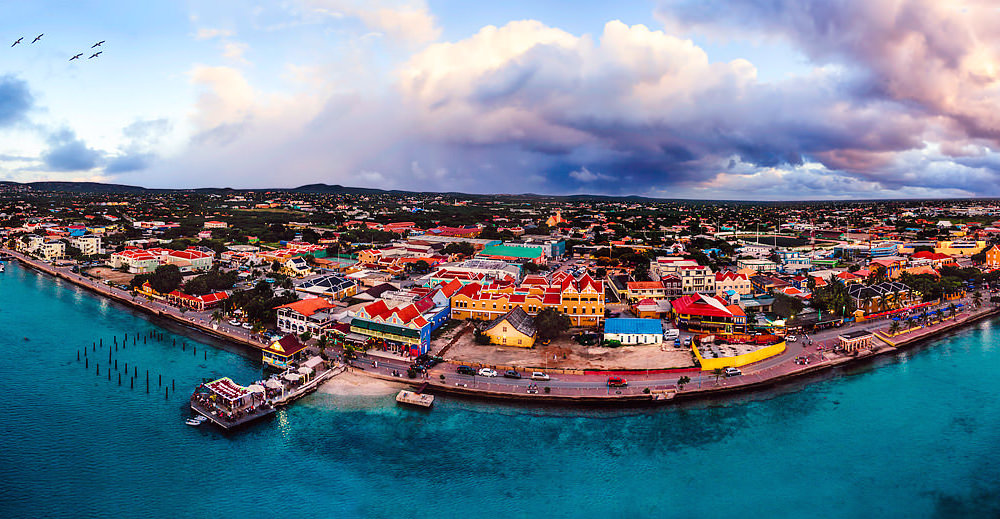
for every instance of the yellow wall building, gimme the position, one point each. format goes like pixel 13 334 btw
pixel 515 328
pixel 960 248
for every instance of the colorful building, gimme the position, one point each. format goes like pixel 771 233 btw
pixel 701 313
pixel 580 299
pixel 515 328
pixel 633 331
pixel 282 352
pixel 405 325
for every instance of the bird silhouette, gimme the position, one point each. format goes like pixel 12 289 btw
pixel 98 44
pixel 38 37
pixel 76 57
pixel 18 41
pixel 94 55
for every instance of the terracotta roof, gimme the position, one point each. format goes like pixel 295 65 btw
pixel 308 307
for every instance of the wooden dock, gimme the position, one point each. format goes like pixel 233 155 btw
pixel 260 412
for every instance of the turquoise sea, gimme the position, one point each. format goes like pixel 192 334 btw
pixel 912 436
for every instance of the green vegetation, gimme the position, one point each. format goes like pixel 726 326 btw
pixel 833 298
pixel 550 323
pixel 166 279
pixel 259 303
pixel 211 281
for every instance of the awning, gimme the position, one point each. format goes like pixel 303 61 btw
pixel 305 371
pixel 255 388
pixel 273 384
pixel 292 377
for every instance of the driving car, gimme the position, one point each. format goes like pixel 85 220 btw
pixel 791 338
pixel 617 382
pixel 732 372
pixel 466 370
pixel 511 374
pixel 538 375
pixel 487 372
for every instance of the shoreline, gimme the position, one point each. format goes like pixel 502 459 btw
pixel 640 399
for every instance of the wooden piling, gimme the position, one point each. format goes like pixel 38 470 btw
pixel 98 370
pixel 160 380
pixel 119 379
pixel 116 364
pixel 86 362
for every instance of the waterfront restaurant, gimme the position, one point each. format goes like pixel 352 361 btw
pixel 851 342
pixel 282 352
pixel 226 399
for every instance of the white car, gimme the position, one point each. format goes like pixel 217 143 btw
pixel 791 338
pixel 247 326
pixel 487 372
pixel 538 375
pixel 234 322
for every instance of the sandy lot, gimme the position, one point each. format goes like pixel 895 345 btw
pixel 352 384
pixel 108 273
pixel 567 354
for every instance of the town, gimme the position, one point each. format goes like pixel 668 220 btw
pixel 585 299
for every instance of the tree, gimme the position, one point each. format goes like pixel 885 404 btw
pixel 683 380
pixel 305 336
pixel 550 323
pixel 894 328
pixel 166 279
pixel 718 372
pixel 977 298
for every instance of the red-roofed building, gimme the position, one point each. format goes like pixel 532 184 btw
pixel 705 314
pixel 580 299
pixel 197 303
pixel 282 352
pixel 403 321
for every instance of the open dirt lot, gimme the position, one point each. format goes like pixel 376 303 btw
pixel 112 274
pixel 565 353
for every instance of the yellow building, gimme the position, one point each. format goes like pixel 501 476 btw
pixel 515 328
pixel 960 248
pixel 580 299
pixel 993 257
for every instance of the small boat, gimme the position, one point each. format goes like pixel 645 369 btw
pixel 196 421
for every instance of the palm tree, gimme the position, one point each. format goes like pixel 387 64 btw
pixel 952 309
pixel 683 380
pixel 718 373
pixel 216 316
pixel 977 298
pixel 894 328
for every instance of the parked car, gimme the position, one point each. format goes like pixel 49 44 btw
pixel 732 372
pixel 538 375
pixel 791 338
pixel 677 342
pixel 687 341
pixel 247 326
pixel 234 322
pixel 617 382
pixel 466 370
pixel 487 372
pixel 511 374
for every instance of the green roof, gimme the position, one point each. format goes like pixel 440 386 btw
pixel 511 251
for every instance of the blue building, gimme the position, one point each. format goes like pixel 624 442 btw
pixel 633 331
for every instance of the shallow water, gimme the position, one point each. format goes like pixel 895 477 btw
pixel 912 436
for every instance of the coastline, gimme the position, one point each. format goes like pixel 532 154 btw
pixel 642 399
pixel 102 290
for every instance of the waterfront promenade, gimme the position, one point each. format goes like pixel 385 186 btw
pixel 645 386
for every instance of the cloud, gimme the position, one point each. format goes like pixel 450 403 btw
pixel 407 21
pixel 15 100
pixel 628 110
pixel 69 153
pixel 141 139
pixel 585 175
pixel 206 33
pixel 234 51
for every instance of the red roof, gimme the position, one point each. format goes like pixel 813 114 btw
pixel 697 304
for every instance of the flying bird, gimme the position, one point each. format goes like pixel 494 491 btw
pixel 38 37
pixel 94 55
pixel 98 44
pixel 76 57
pixel 18 41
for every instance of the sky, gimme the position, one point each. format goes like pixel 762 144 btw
pixel 703 99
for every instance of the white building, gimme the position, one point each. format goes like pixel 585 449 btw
pixel 89 244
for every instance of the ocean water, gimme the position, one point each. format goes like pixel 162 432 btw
pixel 911 436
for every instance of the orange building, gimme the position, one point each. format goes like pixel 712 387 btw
pixel 580 299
